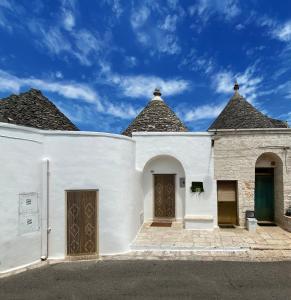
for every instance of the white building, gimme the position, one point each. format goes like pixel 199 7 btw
pixel 84 193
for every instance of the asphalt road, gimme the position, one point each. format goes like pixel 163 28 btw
pixel 151 280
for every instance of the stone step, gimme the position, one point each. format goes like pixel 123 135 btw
pixel 185 248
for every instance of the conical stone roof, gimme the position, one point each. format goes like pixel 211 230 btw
pixel 240 114
pixel 157 116
pixel 34 110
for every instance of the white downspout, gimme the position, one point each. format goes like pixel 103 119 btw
pixel 45 228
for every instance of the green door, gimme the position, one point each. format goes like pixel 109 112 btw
pixel 264 198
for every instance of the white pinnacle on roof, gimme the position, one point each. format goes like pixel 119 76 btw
pixel 157 95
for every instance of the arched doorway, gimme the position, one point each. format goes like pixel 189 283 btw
pixel 268 187
pixel 164 189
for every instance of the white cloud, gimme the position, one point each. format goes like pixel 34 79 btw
pixel 78 91
pixel 54 40
pixel 285 88
pixel 264 20
pixel 59 75
pixel 87 46
pixel 78 113
pixel 68 10
pixel 206 9
pixel 168 44
pixel 81 44
pixel 248 81
pixel 278 30
pixel 239 26
pixel 8 83
pixel 151 32
pixel 87 116
pixel 283 32
pixel 69 20
pixel 116 7
pixel 130 61
pixel 141 86
pixel 195 62
pixel 6 4
pixel 173 3
pixel 202 112
pixel 139 17
pixel 121 110
pixel 170 23
pixel 223 82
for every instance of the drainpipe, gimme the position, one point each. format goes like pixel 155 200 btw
pixel 45 211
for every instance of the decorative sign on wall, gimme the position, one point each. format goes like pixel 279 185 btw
pixel 28 217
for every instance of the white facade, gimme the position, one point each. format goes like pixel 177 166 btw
pixel 47 163
pixel 188 155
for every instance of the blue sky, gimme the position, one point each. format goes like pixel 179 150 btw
pixel 100 60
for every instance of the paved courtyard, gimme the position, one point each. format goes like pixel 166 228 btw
pixel 177 238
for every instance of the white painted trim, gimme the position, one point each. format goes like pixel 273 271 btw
pixel 145 133
pixel 245 130
pixel 198 218
pixel 157 98
pixel 20 138
pixel 63 132
pixel 19 269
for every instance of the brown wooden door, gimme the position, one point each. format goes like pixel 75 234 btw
pixel 227 202
pixel 81 222
pixel 164 191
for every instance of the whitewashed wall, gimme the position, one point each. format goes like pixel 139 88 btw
pixel 194 152
pixel 21 172
pixel 115 165
pixel 95 161
pixel 77 160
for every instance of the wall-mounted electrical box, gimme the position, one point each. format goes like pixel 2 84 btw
pixel 182 182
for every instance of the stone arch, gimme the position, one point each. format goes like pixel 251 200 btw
pixel 163 164
pixel 271 164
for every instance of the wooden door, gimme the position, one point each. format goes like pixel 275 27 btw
pixel 81 222
pixel 164 195
pixel 264 197
pixel 227 202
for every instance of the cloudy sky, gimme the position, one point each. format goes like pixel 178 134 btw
pixel 99 60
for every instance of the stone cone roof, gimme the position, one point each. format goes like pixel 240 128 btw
pixel 240 114
pixel 34 110
pixel 157 116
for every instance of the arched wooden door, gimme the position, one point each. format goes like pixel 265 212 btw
pixel 164 196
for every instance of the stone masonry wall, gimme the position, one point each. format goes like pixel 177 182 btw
pixel 235 156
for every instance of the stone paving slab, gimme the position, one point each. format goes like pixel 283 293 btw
pixel 211 255
pixel 177 238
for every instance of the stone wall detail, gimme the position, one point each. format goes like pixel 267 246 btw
pixel 235 157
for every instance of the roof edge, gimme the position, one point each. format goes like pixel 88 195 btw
pixel 173 133
pixel 45 132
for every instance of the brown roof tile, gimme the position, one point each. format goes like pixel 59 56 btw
pixel 34 110
pixel 157 116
